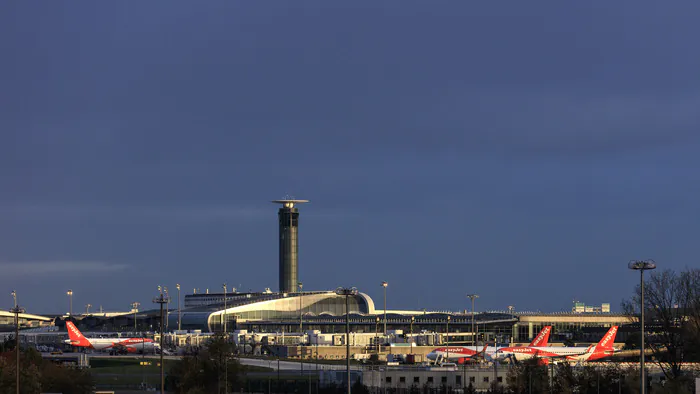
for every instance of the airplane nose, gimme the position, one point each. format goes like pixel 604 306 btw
pixel 431 356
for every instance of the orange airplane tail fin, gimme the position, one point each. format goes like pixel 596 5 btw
pixel 542 338
pixel 76 337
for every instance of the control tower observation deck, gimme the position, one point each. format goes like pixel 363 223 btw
pixel 289 244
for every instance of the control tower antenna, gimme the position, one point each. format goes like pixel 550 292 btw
pixel 288 216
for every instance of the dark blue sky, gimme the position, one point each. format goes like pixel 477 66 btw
pixel 523 151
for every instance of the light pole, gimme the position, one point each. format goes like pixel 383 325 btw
pixel 162 299
pixel 447 338
pixel 224 287
pixel 179 312
pixel 511 309
pixel 413 320
pixel 473 297
pixel 16 310
pixel 135 306
pixel 641 266
pixel 87 309
pixel 225 339
pixel 301 286
pixel 376 336
pixel 70 302
pixel 301 331
pixel 384 285
pixel 167 310
pixel 347 292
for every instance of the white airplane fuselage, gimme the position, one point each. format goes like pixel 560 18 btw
pixel 457 353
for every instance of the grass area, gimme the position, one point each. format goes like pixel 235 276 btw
pixel 121 380
pixel 128 371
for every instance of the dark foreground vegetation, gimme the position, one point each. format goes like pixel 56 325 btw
pixel 38 375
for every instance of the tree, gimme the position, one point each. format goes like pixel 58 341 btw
pixel 672 313
pixel 29 375
pixel 37 374
pixel 207 369
pixel 59 379
pixel 564 380
pixel 470 389
pixel 529 376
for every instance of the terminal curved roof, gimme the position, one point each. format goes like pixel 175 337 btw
pixel 314 306
pixel 273 306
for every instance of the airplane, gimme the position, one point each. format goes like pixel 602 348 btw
pixel 464 353
pixel 602 349
pixel 131 345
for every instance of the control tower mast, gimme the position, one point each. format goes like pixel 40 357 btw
pixel 289 244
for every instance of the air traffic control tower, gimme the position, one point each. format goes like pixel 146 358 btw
pixel 289 244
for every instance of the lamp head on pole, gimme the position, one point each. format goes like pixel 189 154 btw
pixel 346 291
pixel 177 286
pixel 385 284
pixel 641 265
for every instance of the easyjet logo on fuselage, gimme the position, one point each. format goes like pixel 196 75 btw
pixel 137 340
pixel 456 350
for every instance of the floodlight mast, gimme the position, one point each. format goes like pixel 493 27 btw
pixel 16 311
pixel 161 299
pixel 347 292
pixel 474 336
pixel 641 266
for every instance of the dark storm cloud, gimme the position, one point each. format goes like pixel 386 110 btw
pixel 554 134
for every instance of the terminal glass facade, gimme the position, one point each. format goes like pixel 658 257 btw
pixel 311 305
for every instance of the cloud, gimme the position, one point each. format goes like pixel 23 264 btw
pixel 59 267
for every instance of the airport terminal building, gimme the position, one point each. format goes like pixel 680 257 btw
pixel 283 311
pixel 290 310
pixel 270 312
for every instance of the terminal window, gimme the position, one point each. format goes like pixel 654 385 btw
pixel 430 379
pixel 402 379
pixel 444 379
pixel 388 379
pixel 500 378
pixel 472 379
pixel 458 382
pixel 486 379
pixel 416 379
